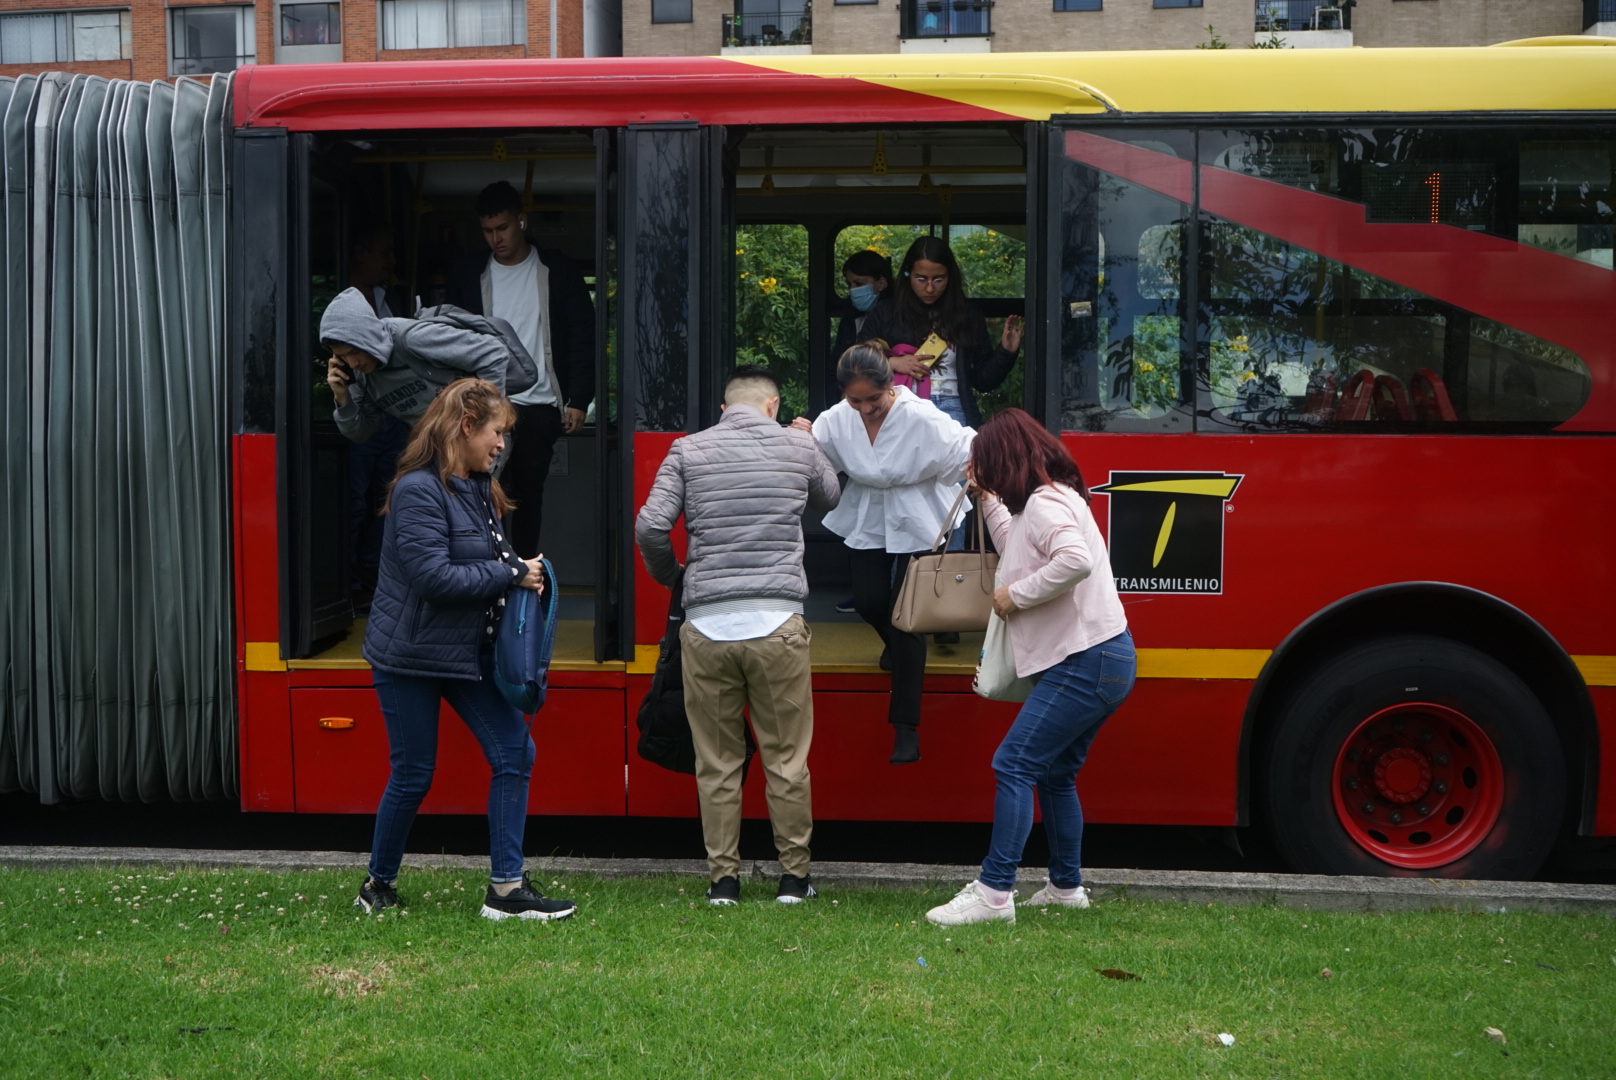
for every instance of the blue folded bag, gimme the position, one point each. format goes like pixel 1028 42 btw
pixel 524 643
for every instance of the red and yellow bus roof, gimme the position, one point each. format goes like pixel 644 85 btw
pixel 922 89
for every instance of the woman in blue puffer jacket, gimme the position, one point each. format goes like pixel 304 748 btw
pixel 445 570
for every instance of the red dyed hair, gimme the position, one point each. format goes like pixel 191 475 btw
pixel 1012 456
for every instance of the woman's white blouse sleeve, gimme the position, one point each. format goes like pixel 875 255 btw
pixel 825 436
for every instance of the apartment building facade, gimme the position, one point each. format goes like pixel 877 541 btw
pixel 782 27
pixel 154 39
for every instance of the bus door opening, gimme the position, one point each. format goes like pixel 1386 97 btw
pixel 809 202
pixel 397 217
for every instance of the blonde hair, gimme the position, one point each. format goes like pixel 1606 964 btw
pixel 433 437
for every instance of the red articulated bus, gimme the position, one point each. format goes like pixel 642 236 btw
pixel 1331 334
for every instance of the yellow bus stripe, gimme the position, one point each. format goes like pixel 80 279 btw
pixel 1201 663
pixel 264 656
pixel 1597 670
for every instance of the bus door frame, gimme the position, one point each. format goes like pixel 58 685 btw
pixel 707 211
pixel 1041 374
pixel 613 449
pixel 307 616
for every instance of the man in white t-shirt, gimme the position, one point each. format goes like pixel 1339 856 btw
pixel 543 295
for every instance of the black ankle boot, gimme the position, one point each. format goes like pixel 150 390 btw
pixel 905 745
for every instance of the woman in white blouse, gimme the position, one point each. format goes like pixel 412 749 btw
pixel 1068 632
pixel 904 459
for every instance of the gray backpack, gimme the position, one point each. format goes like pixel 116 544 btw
pixel 520 370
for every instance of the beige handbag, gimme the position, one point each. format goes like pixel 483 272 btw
pixel 948 591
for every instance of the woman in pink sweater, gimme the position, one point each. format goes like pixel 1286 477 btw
pixel 1069 633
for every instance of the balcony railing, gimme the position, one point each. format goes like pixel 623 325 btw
pixel 1598 11
pixel 768 28
pixel 946 18
pixel 1282 16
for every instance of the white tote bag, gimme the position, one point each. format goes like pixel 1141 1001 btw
pixel 996 677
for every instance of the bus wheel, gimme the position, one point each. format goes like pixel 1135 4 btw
pixel 1415 756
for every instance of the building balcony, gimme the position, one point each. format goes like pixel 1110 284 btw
pixel 1304 24
pixel 1599 18
pixel 780 33
pixel 945 25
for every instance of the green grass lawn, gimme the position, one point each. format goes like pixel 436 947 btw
pixel 148 973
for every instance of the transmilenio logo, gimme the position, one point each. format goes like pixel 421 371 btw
pixel 1166 530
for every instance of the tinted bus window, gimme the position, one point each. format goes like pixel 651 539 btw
pixel 1123 260
pixel 1373 325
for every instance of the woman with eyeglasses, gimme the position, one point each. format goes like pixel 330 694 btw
pixel 930 299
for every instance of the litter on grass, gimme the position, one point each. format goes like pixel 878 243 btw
pixel 1494 1034
pixel 1226 1039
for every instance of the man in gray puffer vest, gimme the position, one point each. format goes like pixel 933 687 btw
pixel 367 379
pixel 742 486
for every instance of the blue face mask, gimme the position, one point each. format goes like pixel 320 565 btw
pixel 863 297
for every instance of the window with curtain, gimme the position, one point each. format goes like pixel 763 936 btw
pixel 62 37
pixel 452 24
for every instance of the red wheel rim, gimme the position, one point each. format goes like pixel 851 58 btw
pixel 1418 785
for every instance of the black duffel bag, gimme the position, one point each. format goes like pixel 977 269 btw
pixel 663 723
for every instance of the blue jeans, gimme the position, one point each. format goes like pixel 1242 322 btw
pixel 410 705
pixel 951 406
pixel 1044 748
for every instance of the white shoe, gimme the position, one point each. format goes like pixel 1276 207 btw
pixel 971 905
pixel 1047 896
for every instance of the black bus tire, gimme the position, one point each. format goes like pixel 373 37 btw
pixel 1414 756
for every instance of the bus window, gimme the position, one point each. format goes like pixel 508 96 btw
pixel 1567 197
pixel 993 260
pixel 1370 325
pixel 1122 267
pixel 771 307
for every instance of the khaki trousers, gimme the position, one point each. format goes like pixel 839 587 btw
pixel 772 675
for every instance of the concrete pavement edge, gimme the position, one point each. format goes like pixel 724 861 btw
pixel 1309 891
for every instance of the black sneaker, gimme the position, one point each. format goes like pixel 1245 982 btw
pixel 794 889
pixel 375 896
pixel 846 606
pixel 525 902
pixel 726 891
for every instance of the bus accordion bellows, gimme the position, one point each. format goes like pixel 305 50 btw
pixel 1331 333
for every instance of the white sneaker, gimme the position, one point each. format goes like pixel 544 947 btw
pixel 1047 896
pixel 971 905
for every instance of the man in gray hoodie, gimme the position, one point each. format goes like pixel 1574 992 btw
pixel 368 379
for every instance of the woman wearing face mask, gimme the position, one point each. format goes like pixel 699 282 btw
pixel 869 284
pixel 930 299
pixel 904 459
pixel 445 571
